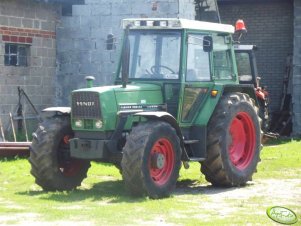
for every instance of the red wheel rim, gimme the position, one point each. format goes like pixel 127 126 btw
pixel 68 166
pixel 161 161
pixel 242 147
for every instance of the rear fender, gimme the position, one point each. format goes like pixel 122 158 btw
pixel 248 89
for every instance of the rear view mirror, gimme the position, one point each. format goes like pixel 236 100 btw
pixel 110 42
pixel 207 44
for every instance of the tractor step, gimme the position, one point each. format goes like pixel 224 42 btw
pixel 191 141
pixel 187 165
pixel 197 159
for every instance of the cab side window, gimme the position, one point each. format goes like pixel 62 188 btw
pixel 243 66
pixel 222 60
pixel 198 64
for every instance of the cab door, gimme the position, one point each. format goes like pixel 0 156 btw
pixel 197 76
pixel 197 85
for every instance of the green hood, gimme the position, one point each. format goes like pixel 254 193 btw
pixel 111 98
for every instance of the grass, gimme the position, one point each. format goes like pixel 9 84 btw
pixel 101 200
pixel 281 160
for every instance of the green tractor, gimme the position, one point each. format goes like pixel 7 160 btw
pixel 176 99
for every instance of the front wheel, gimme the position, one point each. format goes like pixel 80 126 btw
pixel 151 159
pixel 233 140
pixel 50 160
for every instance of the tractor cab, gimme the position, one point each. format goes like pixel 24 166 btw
pixel 185 58
pixel 246 64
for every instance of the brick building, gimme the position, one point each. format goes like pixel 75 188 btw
pixel 77 29
pixel 27 53
pixel 271 25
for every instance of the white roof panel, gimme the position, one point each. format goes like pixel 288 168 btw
pixel 244 47
pixel 174 23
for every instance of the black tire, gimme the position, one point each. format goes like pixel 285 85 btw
pixel 233 141
pixel 151 159
pixel 51 164
pixel 118 166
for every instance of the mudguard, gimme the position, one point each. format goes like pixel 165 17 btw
pixel 56 110
pixel 165 116
pixel 248 89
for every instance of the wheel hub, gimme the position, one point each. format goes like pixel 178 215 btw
pixel 242 147
pixel 161 161
pixel 158 161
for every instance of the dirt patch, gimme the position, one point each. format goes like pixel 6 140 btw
pixel 254 198
pixel 259 195
pixel 269 191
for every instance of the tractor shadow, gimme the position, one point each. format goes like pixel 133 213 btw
pixel 194 187
pixel 112 191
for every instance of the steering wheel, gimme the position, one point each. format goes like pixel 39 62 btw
pixel 161 66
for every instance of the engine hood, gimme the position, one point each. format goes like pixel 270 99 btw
pixel 131 94
pixel 119 88
pixel 105 102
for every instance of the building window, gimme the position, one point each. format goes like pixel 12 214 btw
pixel 16 55
pixel 67 9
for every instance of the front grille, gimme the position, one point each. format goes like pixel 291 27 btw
pixel 86 105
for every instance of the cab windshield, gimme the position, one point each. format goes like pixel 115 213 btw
pixel 154 54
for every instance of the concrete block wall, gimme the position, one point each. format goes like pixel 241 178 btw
pixel 33 24
pixel 81 38
pixel 296 81
pixel 270 27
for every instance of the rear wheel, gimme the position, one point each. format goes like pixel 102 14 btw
pixel 151 159
pixel 51 164
pixel 233 141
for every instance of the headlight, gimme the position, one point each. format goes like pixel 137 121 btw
pixel 79 123
pixel 98 124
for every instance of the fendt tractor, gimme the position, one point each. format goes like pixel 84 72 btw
pixel 176 99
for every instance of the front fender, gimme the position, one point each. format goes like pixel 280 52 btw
pixel 162 115
pixel 58 110
pixel 165 116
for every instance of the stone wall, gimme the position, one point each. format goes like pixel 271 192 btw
pixel 297 70
pixel 81 38
pixel 30 24
pixel 270 27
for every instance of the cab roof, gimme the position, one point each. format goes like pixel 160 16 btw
pixel 174 23
pixel 245 47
